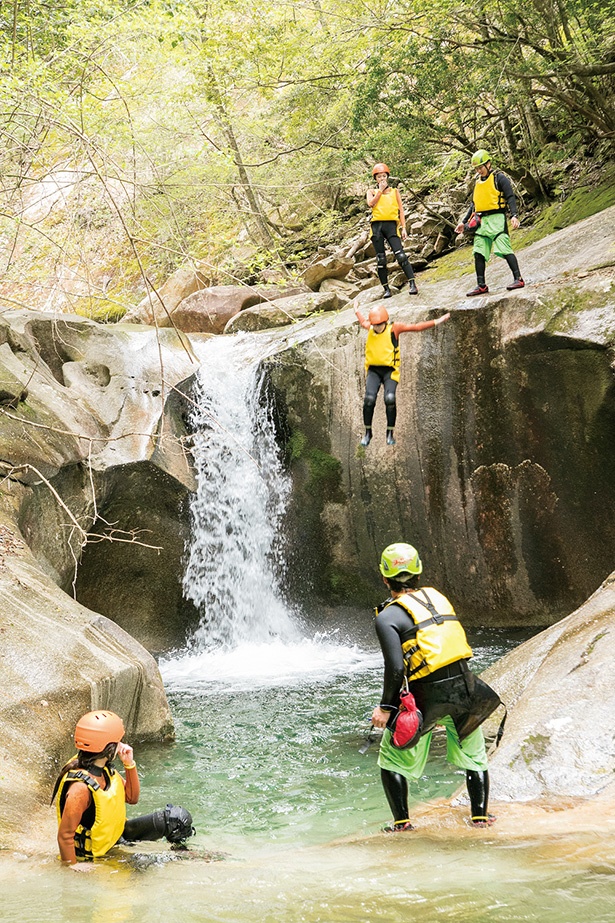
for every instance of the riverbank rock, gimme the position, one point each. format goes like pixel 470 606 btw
pixel 209 310
pixel 283 311
pixel 158 305
pixel 92 417
pixel 332 267
pixel 558 688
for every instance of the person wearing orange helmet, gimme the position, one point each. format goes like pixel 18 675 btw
pixel 382 363
pixel 388 224
pixel 92 796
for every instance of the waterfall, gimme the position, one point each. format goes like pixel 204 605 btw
pixel 236 558
pixel 248 636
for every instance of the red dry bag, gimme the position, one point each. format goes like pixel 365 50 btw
pixel 408 723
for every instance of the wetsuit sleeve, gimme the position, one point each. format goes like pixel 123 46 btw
pixel 504 185
pixel 78 800
pixel 466 217
pixel 390 644
pixel 132 786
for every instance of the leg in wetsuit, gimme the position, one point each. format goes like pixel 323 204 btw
pixel 173 822
pixel 387 230
pixel 378 375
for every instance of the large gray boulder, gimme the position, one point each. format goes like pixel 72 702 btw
pixel 209 310
pixel 503 473
pixel 92 424
pixel 159 304
pixel 332 267
pixel 283 311
pixel 558 687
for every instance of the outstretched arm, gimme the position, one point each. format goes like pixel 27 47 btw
pixel 402 216
pixel 362 320
pixel 417 328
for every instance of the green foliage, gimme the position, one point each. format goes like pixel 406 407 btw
pixel 140 134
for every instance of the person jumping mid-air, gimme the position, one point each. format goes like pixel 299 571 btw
pixel 382 362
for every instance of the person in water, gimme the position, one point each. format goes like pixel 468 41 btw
pixel 388 224
pixel 493 194
pixel 92 796
pixel 426 651
pixel 382 362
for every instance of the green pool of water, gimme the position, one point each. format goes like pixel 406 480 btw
pixel 291 811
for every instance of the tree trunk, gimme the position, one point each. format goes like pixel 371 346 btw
pixel 258 219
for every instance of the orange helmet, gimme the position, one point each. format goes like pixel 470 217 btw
pixel 380 168
pixel 97 729
pixel 378 315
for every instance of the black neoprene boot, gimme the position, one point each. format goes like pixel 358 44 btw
pixel 396 789
pixel 390 437
pixel 480 265
pixel 478 789
pixel 367 438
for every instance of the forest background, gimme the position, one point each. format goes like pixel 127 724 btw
pixel 239 135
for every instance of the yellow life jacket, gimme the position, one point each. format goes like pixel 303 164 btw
pixel 438 639
pixel 487 197
pixel 109 812
pixel 380 350
pixel 387 207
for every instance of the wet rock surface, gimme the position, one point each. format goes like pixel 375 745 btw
pixel 94 403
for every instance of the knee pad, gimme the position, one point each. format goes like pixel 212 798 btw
pixel 401 257
pixel 178 824
pixel 369 400
pixel 381 260
pixel 389 399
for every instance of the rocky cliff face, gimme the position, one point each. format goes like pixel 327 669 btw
pixel 503 474
pixel 92 449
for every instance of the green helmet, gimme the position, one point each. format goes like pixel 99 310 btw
pixel 398 559
pixel 480 157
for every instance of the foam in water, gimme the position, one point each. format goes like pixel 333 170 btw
pixel 273 663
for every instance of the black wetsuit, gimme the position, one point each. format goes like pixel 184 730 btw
pixel 387 230
pixel 378 375
pixel 452 690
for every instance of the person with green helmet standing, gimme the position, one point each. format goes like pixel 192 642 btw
pixel 426 653
pixel 388 223
pixel 493 195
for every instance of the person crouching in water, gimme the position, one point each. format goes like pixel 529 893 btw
pixel 92 796
pixel 425 650
pixel 382 362
pixel 388 223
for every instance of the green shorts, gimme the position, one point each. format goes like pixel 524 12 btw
pixel 470 754
pixel 489 236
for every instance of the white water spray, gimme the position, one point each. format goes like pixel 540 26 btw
pixel 248 636
pixel 236 558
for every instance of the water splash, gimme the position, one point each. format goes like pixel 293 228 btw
pixel 236 559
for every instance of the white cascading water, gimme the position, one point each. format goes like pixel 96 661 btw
pixel 247 633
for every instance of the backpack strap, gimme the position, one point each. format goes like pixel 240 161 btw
pixel 436 618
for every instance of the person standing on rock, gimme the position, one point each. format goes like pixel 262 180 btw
pixel 92 796
pixel 388 223
pixel 382 362
pixel 493 194
pixel 426 653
